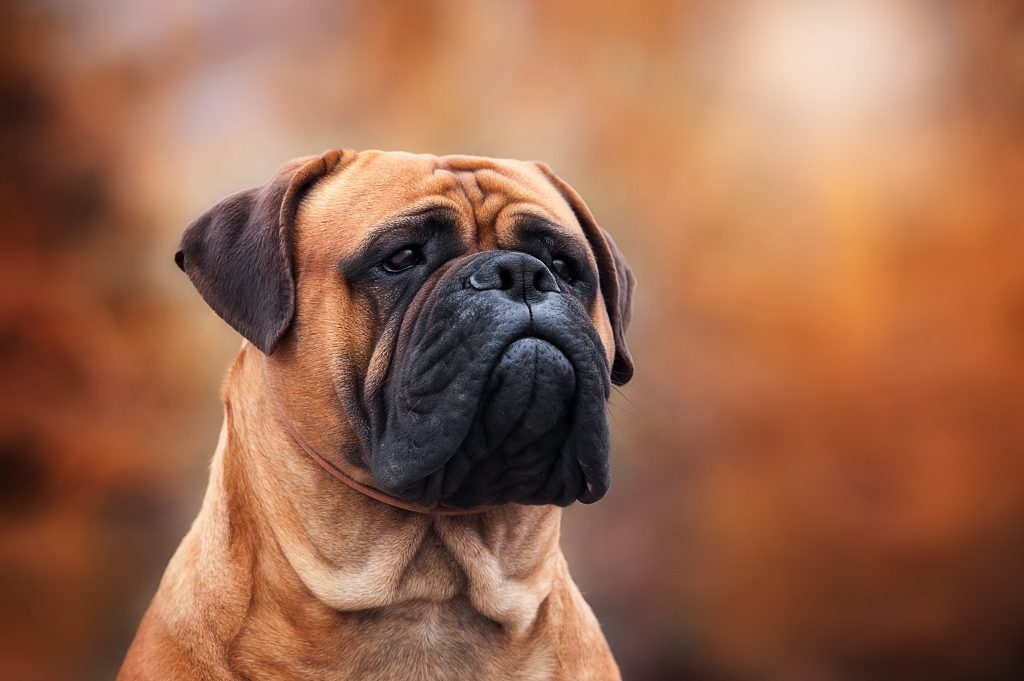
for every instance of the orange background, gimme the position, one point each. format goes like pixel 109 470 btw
pixel 819 467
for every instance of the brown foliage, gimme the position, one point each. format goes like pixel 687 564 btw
pixel 819 461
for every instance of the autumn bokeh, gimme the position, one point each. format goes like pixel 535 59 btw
pixel 819 471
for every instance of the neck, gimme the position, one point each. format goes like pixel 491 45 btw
pixel 354 553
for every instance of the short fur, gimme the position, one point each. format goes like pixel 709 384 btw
pixel 287 573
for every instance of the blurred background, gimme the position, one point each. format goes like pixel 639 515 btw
pixel 819 467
